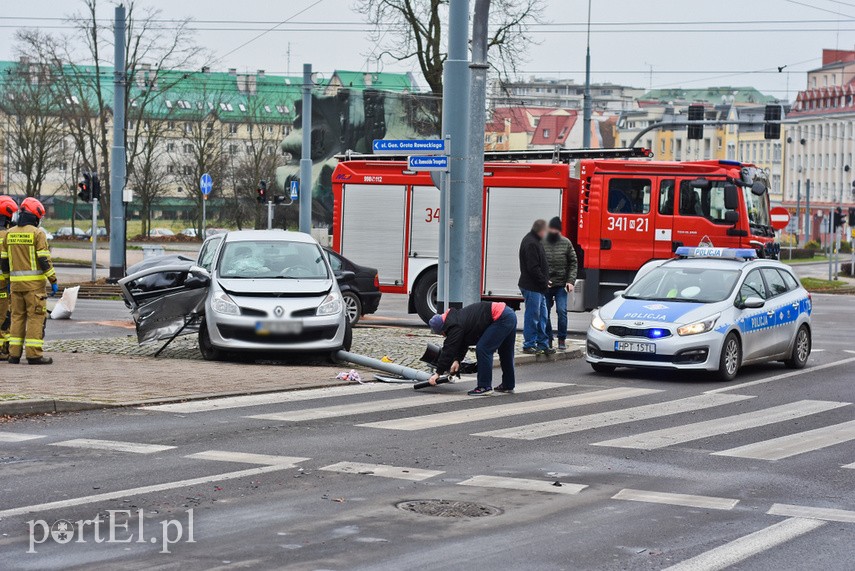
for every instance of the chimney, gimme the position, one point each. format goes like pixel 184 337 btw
pixel 206 69
pixel 232 71
pixel 260 73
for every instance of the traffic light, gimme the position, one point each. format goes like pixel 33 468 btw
pixel 262 191
pixel 84 188
pixel 696 113
pixel 96 186
pixel 772 116
pixel 852 217
pixel 837 218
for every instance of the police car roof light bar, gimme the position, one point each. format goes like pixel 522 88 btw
pixel 552 155
pixel 724 253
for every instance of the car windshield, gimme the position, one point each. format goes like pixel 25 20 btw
pixel 672 283
pixel 274 259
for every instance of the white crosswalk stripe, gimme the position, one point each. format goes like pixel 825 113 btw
pixel 602 419
pixel 508 409
pixel 115 445
pixel 724 425
pixel 794 444
pixel 826 514
pixel 672 499
pixel 749 545
pixel 523 485
pixel 410 401
pixel 382 470
pixel 247 458
pixel 17 437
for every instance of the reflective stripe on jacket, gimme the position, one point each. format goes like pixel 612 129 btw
pixel 25 254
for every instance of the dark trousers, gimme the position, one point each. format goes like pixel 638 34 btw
pixel 499 336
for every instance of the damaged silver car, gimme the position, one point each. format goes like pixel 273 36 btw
pixel 266 291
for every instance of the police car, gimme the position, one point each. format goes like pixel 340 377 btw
pixel 711 309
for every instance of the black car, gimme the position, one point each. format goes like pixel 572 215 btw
pixel 362 294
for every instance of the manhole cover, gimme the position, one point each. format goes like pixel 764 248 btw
pixel 448 508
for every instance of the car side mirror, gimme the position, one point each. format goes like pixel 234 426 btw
pixel 619 293
pixel 753 303
pixel 758 188
pixel 731 196
pixel 345 277
pixel 198 278
pixel 731 216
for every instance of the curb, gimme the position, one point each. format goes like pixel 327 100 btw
pixel 51 406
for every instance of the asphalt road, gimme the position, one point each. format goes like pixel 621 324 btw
pixel 656 470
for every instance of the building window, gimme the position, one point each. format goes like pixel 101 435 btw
pixel 188 127
pixel 170 169
pixel 188 170
pixel 233 129
pixel 170 147
pixel 188 148
pixel 233 149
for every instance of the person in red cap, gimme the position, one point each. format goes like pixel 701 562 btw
pixel 26 259
pixel 8 208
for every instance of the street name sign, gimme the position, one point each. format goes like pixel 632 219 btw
pixel 410 146
pixel 427 163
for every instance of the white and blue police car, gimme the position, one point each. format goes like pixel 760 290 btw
pixel 712 309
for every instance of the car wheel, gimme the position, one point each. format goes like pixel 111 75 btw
pixel 601 368
pixel 347 343
pixel 209 352
pixel 352 307
pixel 801 349
pixel 730 358
pixel 425 295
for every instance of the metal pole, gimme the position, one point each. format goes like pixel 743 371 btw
pixel 306 154
pixel 269 214
pixel 798 212
pixel 474 199
pixel 455 124
pixel 94 233
pixel 117 160
pixel 392 368
pixel 586 101
pixel 807 211
pixel 204 214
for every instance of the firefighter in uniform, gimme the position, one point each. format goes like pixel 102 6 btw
pixel 8 208
pixel 26 259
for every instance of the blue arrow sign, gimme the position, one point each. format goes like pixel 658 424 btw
pixel 413 147
pixel 427 163
pixel 206 183
pixel 295 189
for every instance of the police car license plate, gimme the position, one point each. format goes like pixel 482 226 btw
pixel 634 347
pixel 286 327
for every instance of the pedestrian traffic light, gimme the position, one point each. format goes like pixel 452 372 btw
pixel 852 217
pixel 84 188
pixel 96 186
pixel 262 191
pixel 696 113
pixel 837 218
pixel 772 116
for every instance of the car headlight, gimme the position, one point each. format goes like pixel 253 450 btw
pixel 698 326
pixel 222 303
pixel 596 322
pixel 331 304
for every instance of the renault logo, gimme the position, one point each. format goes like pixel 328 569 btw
pixel 278 311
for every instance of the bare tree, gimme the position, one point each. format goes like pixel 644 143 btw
pixel 414 29
pixel 35 126
pixel 148 174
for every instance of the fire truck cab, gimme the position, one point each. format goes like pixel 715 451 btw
pixel 619 213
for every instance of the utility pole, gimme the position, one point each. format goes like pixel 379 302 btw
pixel 798 212
pixel 471 276
pixel 455 126
pixel 117 159
pixel 586 102
pixel 306 153
pixel 807 211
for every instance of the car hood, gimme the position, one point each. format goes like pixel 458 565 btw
pixel 653 312
pixel 283 287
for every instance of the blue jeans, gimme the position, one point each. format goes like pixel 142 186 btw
pixel 499 336
pixel 534 320
pixel 556 296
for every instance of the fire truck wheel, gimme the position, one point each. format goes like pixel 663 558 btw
pixel 425 295
pixel 600 368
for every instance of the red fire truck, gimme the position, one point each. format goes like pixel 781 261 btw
pixel 619 212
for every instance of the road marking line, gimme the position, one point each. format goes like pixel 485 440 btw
pixel 383 471
pixel 115 445
pixel 686 433
pixel 522 484
pixel 825 514
pixel 17 437
pixel 780 377
pixel 748 545
pixel 272 398
pixel 794 444
pixel 599 420
pixel 247 458
pixel 121 494
pixel 687 500
pixel 848 351
pixel 508 409
pixel 412 401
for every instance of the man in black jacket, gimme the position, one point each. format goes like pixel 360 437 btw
pixel 491 327
pixel 534 283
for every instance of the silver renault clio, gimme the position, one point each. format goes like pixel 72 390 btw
pixel 259 290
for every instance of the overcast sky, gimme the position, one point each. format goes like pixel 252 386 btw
pixel 689 43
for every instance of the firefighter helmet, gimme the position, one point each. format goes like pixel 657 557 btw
pixel 8 206
pixel 34 207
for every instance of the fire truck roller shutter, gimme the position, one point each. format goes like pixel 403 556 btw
pixel 373 226
pixel 510 213
pixel 424 222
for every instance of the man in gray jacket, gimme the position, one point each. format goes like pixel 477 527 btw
pixel 561 258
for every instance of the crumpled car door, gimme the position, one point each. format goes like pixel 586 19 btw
pixel 166 301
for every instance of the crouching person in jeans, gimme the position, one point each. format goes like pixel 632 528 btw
pixel 491 327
